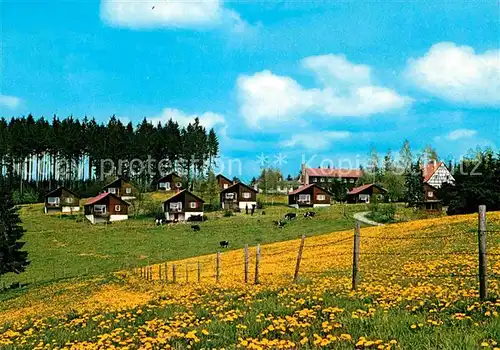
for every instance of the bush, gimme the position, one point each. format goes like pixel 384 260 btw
pixel 152 209
pixel 382 213
pixel 29 196
pixel 260 204
pixel 228 213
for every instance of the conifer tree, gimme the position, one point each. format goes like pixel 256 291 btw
pixel 12 258
pixel 414 182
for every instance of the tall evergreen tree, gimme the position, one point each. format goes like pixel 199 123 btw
pixel 414 182
pixel 12 258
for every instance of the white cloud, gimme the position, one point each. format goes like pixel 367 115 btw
pixel 10 102
pixel 267 98
pixel 201 14
pixel 461 134
pixel 315 140
pixel 458 74
pixel 208 119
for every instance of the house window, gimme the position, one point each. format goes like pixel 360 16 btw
pixel 330 179
pixel 246 195
pixel 193 205
pixel 178 184
pixel 430 194
pixel 229 195
pixel 112 190
pixel 69 200
pixel 322 179
pixel 226 186
pixel 304 197
pixel 100 208
pixel 345 181
pixel 118 208
pixel 320 197
pixel 351 181
pixel 166 185
pixel 314 179
pixel 176 206
pixel 364 198
pixel 53 200
pixel 128 190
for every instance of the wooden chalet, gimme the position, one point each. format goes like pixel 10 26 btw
pixel 183 205
pixel 237 196
pixel 170 182
pixel 324 175
pixel 106 207
pixel 432 201
pixel 435 175
pixel 309 196
pixel 363 194
pixel 223 182
pixel 121 188
pixel 62 200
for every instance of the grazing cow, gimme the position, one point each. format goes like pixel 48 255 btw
pixel 263 213
pixel 290 216
pixel 195 227
pixel 160 222
pixel 280 223
pixel 309 214
pixel 253 209
pixel 224 244
pixel 246 209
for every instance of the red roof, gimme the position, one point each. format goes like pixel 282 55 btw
pixel 359 189
pixel 97 198
pixel 430 169
pixel 325 172
pixel 300 189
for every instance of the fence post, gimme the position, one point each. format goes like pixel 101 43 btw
pixel 151 273
pixel 159 272
pixel 483 261
pixel 174 277
pixel 141 274
pixel 166 272
pixel 257 263
pixel 217 268
pixel 187 273
pixel 355 256
pixel 246 263
pixel 199 272
pixel 299 258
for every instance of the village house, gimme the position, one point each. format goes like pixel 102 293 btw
pixel 170 182
pixel 106 207
pixel 62 200
pixel 183 205
pixel 435 175
pixel 310 195
pixel 122 189
pixel 239 196
pixel 364 194
pixel 223 182
pixel 325 175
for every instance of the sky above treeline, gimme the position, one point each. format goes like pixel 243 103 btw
pixel 280 81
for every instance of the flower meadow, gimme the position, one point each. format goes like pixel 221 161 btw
pixel 418 289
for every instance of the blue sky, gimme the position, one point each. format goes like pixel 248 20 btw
pixel 317 80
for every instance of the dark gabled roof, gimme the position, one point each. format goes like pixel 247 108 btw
pixel 115 181
pixel 102 196
pixel 237 184
pixel 220 175
pixel 173 173
pixel 303 188
pixel 184 191
pixel 359 189
pixel 63 188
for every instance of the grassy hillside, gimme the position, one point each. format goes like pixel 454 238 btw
pixel 68 246
pixel 417 290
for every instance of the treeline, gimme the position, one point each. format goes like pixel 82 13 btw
pixel 42 154
pixel 477 182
